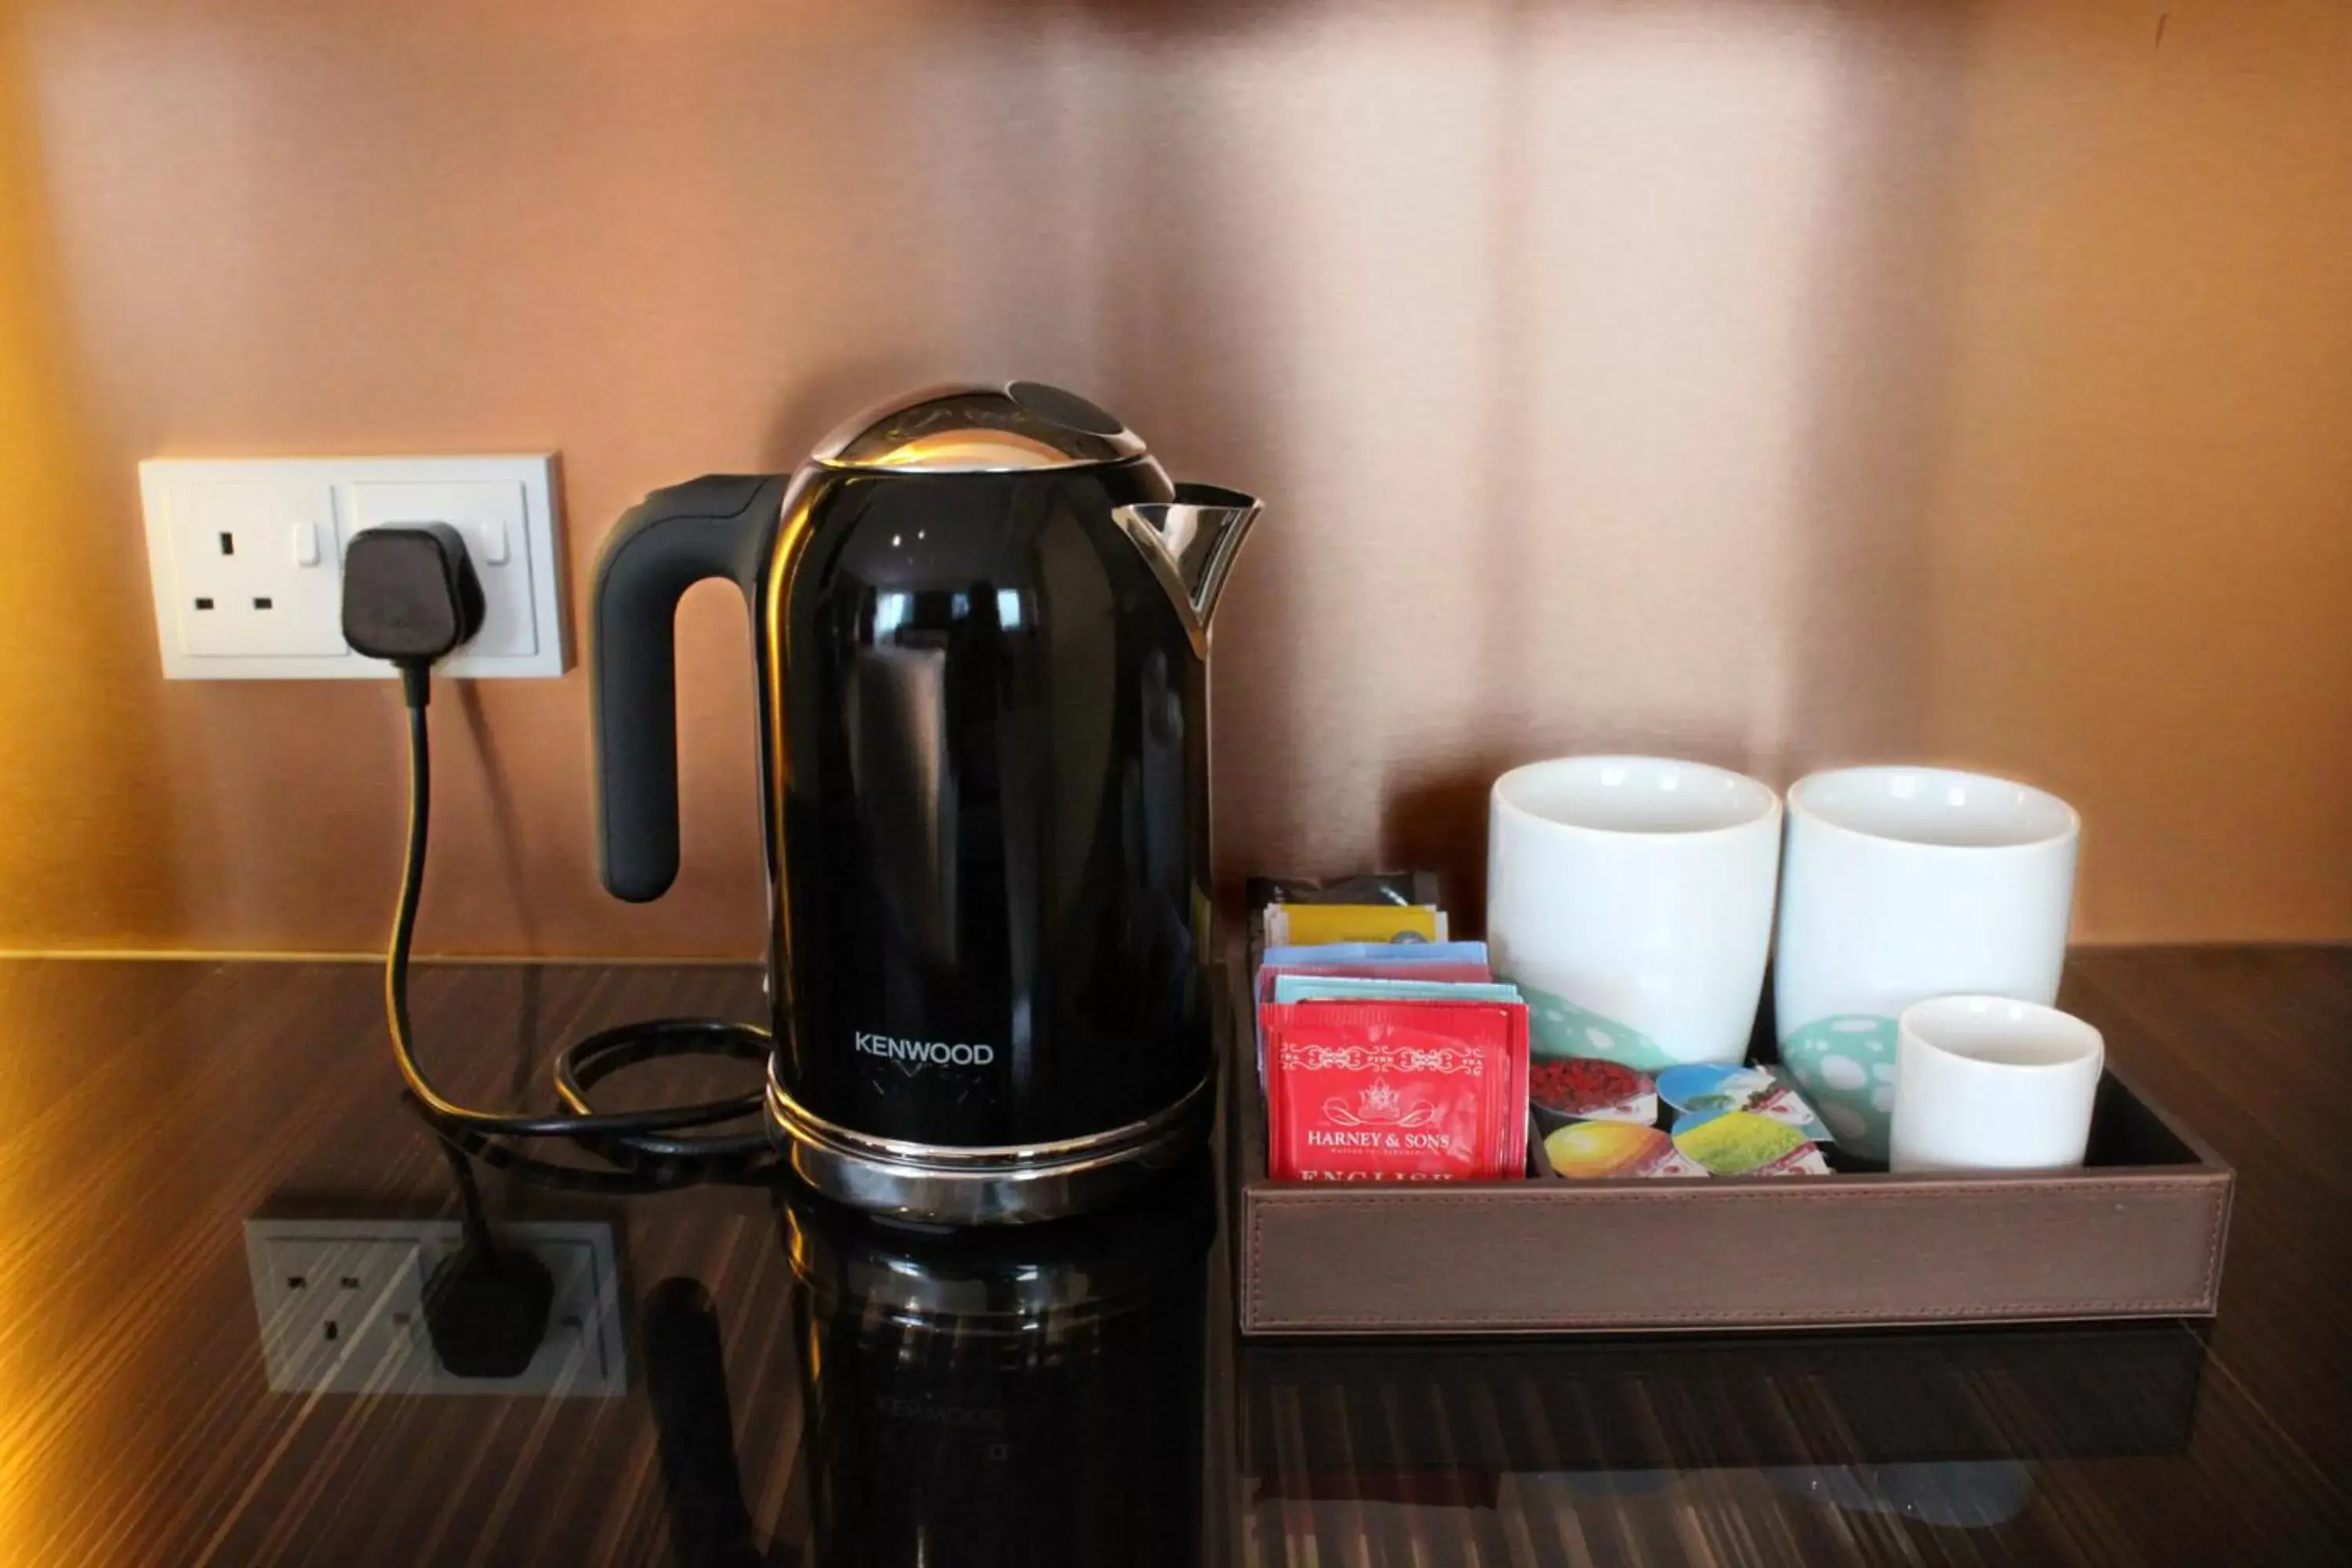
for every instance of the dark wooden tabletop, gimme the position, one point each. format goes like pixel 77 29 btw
pixel 151 1107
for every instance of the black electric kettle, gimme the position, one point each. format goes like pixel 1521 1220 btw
pixel 980 617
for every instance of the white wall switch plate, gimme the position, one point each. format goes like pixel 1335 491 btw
pixel 341 1306
pixel 246 559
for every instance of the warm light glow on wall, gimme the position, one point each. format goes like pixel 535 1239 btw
pixel 82 811
pixel 25 488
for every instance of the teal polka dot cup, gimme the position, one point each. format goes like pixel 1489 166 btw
pixel 1630 899
pixel 1845 1066
pixel 1900 884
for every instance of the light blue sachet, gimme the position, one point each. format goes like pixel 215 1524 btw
pixel 1354 988
pixel 1377 953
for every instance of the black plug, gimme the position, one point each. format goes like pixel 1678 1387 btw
pixel 486 1310
pixel 486 1306
pixel 410 595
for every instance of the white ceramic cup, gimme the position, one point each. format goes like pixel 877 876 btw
pixel 1900 884
pixel 1990 1083
pixel 1630 899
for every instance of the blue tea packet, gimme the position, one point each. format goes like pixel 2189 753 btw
pixel 1354 988
pixel 1354 953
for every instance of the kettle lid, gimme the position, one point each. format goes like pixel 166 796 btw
pixel 975 429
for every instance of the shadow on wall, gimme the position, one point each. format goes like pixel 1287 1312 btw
pixel 85 803
pixel 1728 560
pixel 1589 357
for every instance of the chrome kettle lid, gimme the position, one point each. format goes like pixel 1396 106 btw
pixel 974 429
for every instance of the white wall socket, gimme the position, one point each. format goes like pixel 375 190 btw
pixel 247 557
pixel 341 1306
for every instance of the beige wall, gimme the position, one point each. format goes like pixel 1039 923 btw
pixel 1786 384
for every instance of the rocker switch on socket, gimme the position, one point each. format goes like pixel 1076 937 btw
pixel 246 559
pixel 489 514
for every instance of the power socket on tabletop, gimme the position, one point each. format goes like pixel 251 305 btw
pixel 340 1305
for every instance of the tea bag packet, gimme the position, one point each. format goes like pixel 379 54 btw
pixel 1290 925
pixel 1412 1090
pixel 1376 953
pixel 1463 962
pixel 1388 988
pixel 1400 888
pixel 1457 962
pixel 1361 888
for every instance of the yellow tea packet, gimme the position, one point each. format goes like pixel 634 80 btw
pixel 1315 925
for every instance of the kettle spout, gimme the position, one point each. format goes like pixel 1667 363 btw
pixel 1190 542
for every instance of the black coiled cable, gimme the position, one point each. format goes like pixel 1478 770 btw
pixel 627 1140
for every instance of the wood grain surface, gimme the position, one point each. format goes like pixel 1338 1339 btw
pixel 149 1108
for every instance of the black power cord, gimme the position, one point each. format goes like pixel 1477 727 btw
pixel 410 595
pixel 485 1305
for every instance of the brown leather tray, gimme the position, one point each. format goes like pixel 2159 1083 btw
pixel 2138 1232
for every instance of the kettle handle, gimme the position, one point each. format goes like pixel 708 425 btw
pixel 717 526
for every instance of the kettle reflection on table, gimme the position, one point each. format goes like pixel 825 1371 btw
pixel 1027 1397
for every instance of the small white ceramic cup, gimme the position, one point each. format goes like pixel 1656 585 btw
pixel 1902 883
pixel 1630 901
pixel 1990 1083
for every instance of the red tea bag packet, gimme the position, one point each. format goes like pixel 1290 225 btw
pixel 1446 969
pixel 1396 1091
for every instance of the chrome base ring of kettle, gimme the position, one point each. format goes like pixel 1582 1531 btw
pixel 1010 1184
